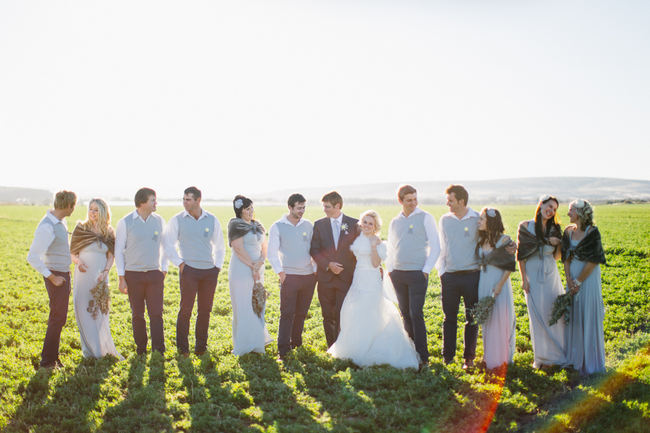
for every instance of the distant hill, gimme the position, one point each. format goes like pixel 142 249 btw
pixel 29 196
pixel 521 190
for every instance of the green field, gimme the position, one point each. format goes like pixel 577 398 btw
pixel 311 391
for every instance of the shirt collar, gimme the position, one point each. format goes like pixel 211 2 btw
pixel 471 213
pixel 339 219
pixel 54 219
pixel 203 214
pixel 136 215
pixel 415 212
pixel 285 220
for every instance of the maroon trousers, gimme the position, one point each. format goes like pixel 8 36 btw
pixel 59 296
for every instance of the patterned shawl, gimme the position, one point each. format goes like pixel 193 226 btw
pixel 589 249
pixel 82 237
pixel 238 228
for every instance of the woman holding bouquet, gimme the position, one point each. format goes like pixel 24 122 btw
pixel 496 265
pixel 538 249
pixel 582 254
pixel 92 249
pixel 248 243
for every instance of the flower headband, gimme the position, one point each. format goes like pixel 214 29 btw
pixel 491 212
pixel 238 203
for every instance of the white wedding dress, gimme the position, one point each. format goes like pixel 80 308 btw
pixel 371 327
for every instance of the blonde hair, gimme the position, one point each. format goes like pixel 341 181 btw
pixel 64 199
pixel 374 215
pixel 585 212
pixel 103 218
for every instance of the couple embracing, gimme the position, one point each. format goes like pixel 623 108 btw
pixel 360 322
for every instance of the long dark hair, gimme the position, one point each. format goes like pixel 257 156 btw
pixel 542 235
pixel 494 228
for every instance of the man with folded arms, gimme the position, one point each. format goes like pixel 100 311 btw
pixel 141 268
pixel 288 253
pixel 49 254
pixel 200 241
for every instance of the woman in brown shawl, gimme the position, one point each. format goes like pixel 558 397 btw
pixel 92 248
pixel 538 249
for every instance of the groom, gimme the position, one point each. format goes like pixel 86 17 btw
pixel 330 249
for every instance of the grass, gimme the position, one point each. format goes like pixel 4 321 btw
pixel 311 391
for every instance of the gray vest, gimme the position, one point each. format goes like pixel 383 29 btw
pixel 410 240
pixel 295 242
pixel 461 243
pixel 195 240
pixel 142 252
pixel 57 256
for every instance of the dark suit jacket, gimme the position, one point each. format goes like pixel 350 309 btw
pixel 323 252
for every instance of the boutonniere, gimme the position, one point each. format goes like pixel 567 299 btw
pixel 155 235
pixel 304 236
pixel 411 228
pixel 467 231
pixel 207 232
pixel 344 227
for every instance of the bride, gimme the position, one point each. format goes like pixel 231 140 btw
pixel 371 327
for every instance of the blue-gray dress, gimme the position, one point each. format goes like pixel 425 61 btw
pixel 549 342
pixel 499 329
pixel 585 333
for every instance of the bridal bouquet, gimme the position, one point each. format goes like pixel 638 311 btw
pixel 561 308
pixel 259 298
pixel 483 309
pixel 101 299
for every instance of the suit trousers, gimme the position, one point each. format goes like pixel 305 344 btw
pixel 411 289
pixel 146 288
pixel 295 298
pixel 195 284
pixel 454 286
pixel 331 296
pixel 59 297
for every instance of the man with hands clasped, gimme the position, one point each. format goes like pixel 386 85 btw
pixel 198 235
pixel 141 268
pixel 288 252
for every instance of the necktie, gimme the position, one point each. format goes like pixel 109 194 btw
pixel 337 233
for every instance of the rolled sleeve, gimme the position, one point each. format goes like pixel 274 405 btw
pixel 434 243
pixel 218 245
pixel 273 251
pixel 170 239
pixel 120 246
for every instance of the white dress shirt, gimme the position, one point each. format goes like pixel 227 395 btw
pixel 43 237
pixel 336 228
pixel 433 240
pixel 273 249
pixel 170 239
pixel 120 244
pixel 441 265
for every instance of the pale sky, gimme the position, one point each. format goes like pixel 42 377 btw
pixel 252 96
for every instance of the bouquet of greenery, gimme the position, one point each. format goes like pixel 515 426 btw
pixel 483 309
pixel 259 298
pixel 561 308
pixel 101 299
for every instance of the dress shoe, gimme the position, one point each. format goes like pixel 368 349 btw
pixel 469 363
pixel 199 352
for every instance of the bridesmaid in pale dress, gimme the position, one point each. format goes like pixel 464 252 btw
pixel 248 243
pixel 538 249
pixel 582 254
pixel 496 264
pixel 92 248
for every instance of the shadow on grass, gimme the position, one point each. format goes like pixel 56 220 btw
pixel 144 409
pixel 214 406
pixel 277 400
pixel 72 399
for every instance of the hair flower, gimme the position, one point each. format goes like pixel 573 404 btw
pixel 491 212
pixel 545 197
pixel 238 203
pixel 579 204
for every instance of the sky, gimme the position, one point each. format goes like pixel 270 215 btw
pixel 255 96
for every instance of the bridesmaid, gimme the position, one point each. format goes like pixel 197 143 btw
pixel 92 249
pixel 496 265
pixel 538 249
pixel 582 254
